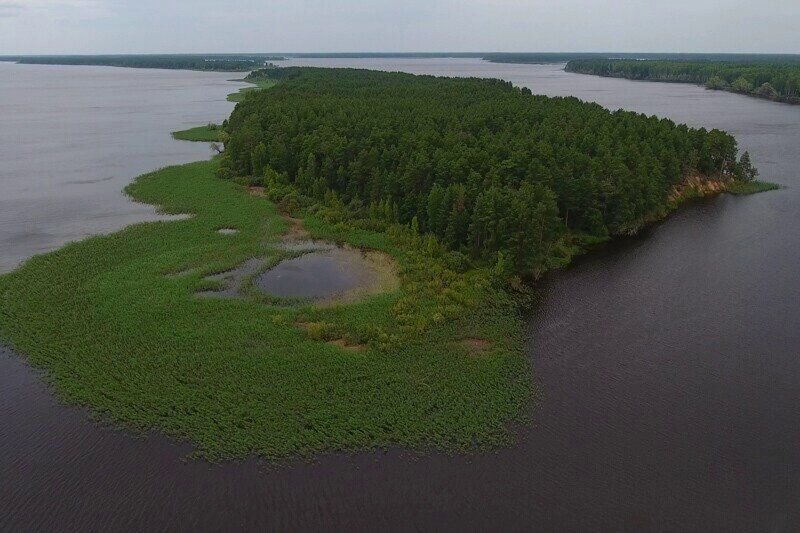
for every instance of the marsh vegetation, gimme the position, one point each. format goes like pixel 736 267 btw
pixel 259 79
pixel 209 133
pixel 118 331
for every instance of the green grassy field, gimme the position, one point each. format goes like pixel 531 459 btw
pixel 116 330
pixel 751 187
pixel 207 133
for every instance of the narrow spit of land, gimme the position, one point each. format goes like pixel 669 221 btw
pixel 209 133
pixel 118 324
pixel 259 81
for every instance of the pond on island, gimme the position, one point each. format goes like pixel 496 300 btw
pixel 324 273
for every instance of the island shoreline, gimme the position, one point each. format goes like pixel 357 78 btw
pixel 321 231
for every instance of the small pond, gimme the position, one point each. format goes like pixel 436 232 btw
pixel 324 272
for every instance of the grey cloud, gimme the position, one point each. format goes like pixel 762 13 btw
pixel 152 26
pixel 10 9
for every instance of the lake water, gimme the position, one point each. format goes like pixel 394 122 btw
pixel 669 366
pixel 71 138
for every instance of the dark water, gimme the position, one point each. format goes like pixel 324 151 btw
pixel 316 275
pixel 669 367
pixel 71 138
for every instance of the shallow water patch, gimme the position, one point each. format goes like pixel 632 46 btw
pixel 322 273
pixel 306 245
pixel 313 275
pixel 231 281
pixel 337 273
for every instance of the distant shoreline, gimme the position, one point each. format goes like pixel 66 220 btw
pixel 199 63
pixel 779 100
pixel 776 82
pixel 247 62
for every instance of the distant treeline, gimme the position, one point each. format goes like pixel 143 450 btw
pixel 554 57
pixel 269 72
pixel 244 62
pixel 492 171
pixel 775 81
pixel 387 55
pixel 537 58
pixel 558 57
pixel 223 62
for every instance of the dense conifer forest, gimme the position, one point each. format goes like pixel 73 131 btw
pixel 222 62
pixel 563 57
pixel 484 166
pixel 489 169
pixel 778 81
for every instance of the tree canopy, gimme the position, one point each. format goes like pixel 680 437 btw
pixel 489 169
pixel 775 81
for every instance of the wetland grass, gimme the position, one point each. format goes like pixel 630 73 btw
pixel 117 331
pixel 207 133
pixel 751 187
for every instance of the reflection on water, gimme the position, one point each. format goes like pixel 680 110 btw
pixel 231 280
pixel 323 273
pixel 318 275
pixel 668 366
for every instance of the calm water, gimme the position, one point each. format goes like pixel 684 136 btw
pixel 669 366
pixel 317 275
pixel 71 138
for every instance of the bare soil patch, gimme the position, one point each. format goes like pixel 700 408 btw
pixel 476 345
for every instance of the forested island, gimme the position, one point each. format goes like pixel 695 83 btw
pixel 215 62
pixel 486 168
pixel 464 188
pixel 777 79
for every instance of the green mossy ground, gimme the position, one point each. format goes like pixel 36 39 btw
pixel 207 133
pixel 118 331
pixel 751 187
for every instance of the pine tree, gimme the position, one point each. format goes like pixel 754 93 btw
pixel 259 159
pixel 745 170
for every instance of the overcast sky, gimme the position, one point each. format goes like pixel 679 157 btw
pixel 154 26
